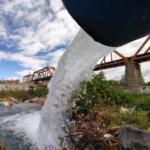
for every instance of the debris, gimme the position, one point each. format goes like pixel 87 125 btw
pixel 123 110
pixel 108 136
pixel 92 131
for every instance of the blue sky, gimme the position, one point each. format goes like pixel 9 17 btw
pixel 34 33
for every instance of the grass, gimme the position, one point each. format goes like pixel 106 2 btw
pixel 138 119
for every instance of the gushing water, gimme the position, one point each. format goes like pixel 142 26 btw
pixel 45 130
pixel 76 63
pixel 18 126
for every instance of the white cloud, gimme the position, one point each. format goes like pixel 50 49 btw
pixel 35 26
pixel 25 61
pixel 56 5
pixel 25 72
pixel 54 57
pixel 2 55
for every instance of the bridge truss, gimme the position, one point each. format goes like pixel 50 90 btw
pixel 121 62
pixel 39 75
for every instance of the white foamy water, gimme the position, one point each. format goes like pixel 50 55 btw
pixel 19 125
pixel 77 62
pixel 23 124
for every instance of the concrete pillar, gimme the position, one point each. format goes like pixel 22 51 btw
pixel 45 82
pixel 133 75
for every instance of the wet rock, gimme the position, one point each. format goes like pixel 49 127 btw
pixel 134 139
pixel 70 144
pixel 90 147
pixel 77 136
pixel 71 127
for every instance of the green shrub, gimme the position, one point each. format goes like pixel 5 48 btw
pixel 100 91
pixel 40 92
pixel 148 83
pixel 31 90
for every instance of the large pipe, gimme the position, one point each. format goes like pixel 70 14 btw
pixel 112 22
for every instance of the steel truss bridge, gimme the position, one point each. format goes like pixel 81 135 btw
pixel 139 58
pixel 47 72
pixel 39 75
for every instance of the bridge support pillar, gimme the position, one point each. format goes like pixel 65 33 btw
pixel 133 75
pixel 43 82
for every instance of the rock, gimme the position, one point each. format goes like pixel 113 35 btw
pixel 77 137
pixel 134 139
pixel 90 147
pixel 71 127
pixel 26 101
pixel 4 103
pixel 12 99
pixel 37 98
pixel 32 100
pixel 70 145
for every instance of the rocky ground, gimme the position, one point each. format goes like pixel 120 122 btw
pixel 16 86
pixel 11 101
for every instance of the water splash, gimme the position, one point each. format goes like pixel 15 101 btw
pixel 18 126
pixel 77 62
